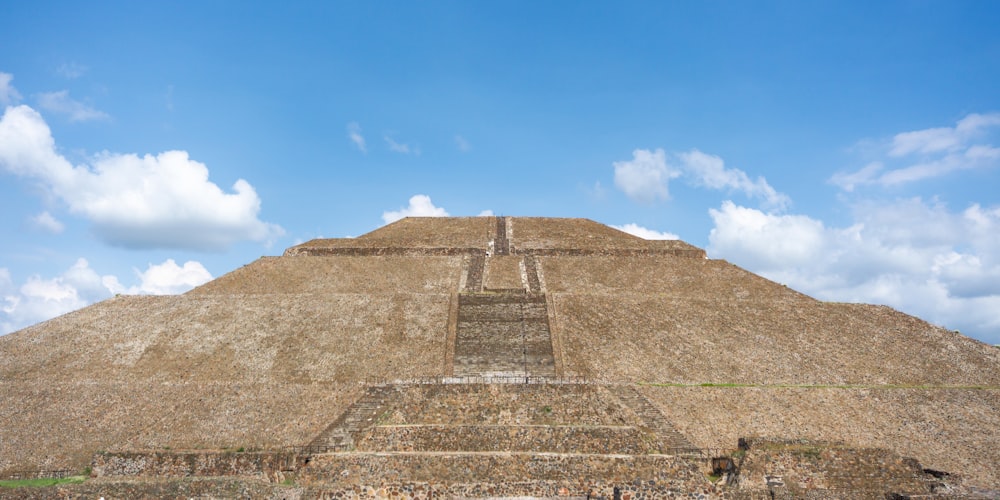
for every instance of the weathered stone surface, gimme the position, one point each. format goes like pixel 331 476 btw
pixel 273 354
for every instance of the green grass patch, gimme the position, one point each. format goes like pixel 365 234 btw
pixel 40 482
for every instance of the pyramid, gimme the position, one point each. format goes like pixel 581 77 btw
pixel 498 357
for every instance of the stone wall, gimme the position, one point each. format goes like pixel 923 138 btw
pixel 800 467
pixel 172 464
pixel 509 404
pixel 379 250
pixel 497 469
pixel 558 439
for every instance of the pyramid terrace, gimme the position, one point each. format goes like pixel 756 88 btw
pixel 490 357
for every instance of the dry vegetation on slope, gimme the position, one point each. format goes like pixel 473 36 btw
pixel 340 274
pixel 204 371
pixel 670 319
pixel 416 232
pixel 952 430
pixel 538 233
pixel 664 339
pixel 270 354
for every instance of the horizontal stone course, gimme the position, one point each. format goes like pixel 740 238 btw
pixel 509 404
pixel 554 439
pixel 194 463
pixel 479 467
pixel 803 466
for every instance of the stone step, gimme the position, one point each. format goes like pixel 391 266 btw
pixel 500 298
pixel 504 313
pixel 653 418
pixel 503 333
pixel 474 276
pixel 508 473
pixel 515 438
pixel 484 330
pixel 531 269
pixel 353 422
pixel 501 243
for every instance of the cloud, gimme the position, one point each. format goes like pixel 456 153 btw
pixel 933 152
pixel 485 213
pixel 8 94
pixel 354 134
pixel 166 279
pixel 39 299
pixel 60 102
pixel 420 206
pixel 397 147
pixel 916 256
pixel 645 179
pixel 462 144
pixel 48 223
pixel 72 70
pixel 645 233
pixel 710 171
pixel 161 201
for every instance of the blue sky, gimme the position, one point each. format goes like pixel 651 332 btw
pixel 848 149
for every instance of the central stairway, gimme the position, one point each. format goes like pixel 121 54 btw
pixel 503 334
pixel 502 423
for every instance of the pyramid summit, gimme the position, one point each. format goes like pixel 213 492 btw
pixel 498 356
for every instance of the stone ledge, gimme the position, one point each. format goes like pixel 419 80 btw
pixel 513 438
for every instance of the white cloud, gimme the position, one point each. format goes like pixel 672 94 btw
pixel 397 147
pixel 867 175
pixel 60 102
pixel 919 257
pixel 933 152
pixel 48 223
pixel 420 206
pixel 40 299
pixel 485 213
pixel 8 94
pixel 934 140
pixel 161 201
pixel 645 179
pixel 354 134
pixel 462 144
pixel 710 171
pixel 165 279
pixel 646 233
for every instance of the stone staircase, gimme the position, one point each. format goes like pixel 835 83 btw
pixel 503 334
pixel 671 440
pixel 474 276
pixel 350 426
pixel 531 270
pixel 501 244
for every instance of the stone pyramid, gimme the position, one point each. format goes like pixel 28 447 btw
pixel 498 357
